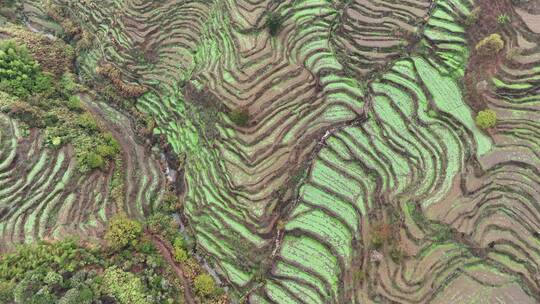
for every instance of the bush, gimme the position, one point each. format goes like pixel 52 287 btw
pixel 473 16
pixel 381 233
pixel 67 84
pixel 486 119
pixel 204 285
pixel 396 254
pixel 106 151
pixel 43 84
pixel 123 232
pixel 53 279
pixel 491 45
pixel 111 141
pixel 160 223
pixel 56 141
pixel 240 117
pixel 146 247
pixel 74 103
pixel 88 122
pixel 376 242
pixel 180 253
pixel 93 161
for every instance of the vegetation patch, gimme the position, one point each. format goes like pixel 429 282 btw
pixel 127 90
pixel 54 56
pixel 39 99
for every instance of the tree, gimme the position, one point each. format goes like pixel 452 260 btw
pixel 20 74
pixel 123 232
pixel 240 117
pixel 486 119
pixel 205 285
pixel 274 23
pixel 124 286
pixel 491 45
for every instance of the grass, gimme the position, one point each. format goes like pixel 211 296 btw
pixel 503 19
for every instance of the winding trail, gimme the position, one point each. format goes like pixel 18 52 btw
pixel 165 251
pixel 140 193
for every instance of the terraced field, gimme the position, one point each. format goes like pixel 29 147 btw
pixel 357 173
pixel 43 196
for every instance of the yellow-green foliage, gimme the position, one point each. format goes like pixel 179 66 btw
pixel 491 45
pixel 93 160
pixel 124 286
pixel 486 119
pixel 123 232
pixel 180 253
pixel 6 291
pixel 204 285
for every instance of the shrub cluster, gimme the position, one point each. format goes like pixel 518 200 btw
pixel 127 90
pixel 48 273
pixel 491 45
pixel 205 285
pixel 129 270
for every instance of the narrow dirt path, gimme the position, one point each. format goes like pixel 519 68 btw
pixel 138 161
pixel 166 251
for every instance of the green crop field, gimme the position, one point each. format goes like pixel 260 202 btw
pixel 292 151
